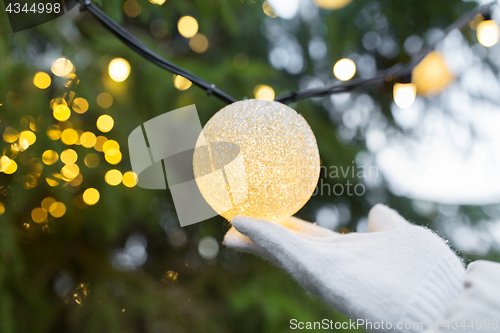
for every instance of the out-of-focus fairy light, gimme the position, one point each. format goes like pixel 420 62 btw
pixel 91 160
pixel 29 181
pixel 100 141
pixel 71 80
pixel 42 80
pixel 157 2
pixel 69 136
pixel 268 10
pixel 77 181
pixel 119 69
pixel 10 134
pixel 27 137
pixel 264 92
pixel 62 67
pixel 88 139
pixel 53 179
pixel 404 94
pixel 113 156
pixel 53 132
pixel 91 196
pixel 181 82
pixel 69 172
pixel 69 156
pixel 344 69
pixel 47 202
pixel 187 26
pixel 11 167
pixel 61 112
pixel 129 179
pixel 105 123
pixel 104 100
pixel 199 43
pixel 80 105
pixel 431 75
pixel 332 4
pixel 2 208
pixel 487 33
pixel 39 215
pixel 57 209
pixel 113 177
pixel 4 163
pixel 132 8
pixel 50 157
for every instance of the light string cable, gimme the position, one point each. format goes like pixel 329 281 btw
pixel 140 48
pixel 395 72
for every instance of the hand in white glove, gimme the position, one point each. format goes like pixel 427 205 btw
pixel 398 272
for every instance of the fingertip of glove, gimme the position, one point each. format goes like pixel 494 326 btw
pixel 381 218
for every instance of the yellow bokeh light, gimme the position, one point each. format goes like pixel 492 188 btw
pixel 69 136
pixel 344 69
pixel 268 10
pixel 187 26
pixel 332 4
pixel 100 141
pixel 57 209
pixel 10 134
pixel 80 105
pixel 88 139
pixel 61 112
pixel 91 160
pixel 113 177
pixel 50 157
pixel 47 202
pixel 77 181
pixel 91 196
pixel 487 33
pixel 57 101
pixel 69 172
pixel 129 179
pixel 404 94
pixel 11 168
pixel 69 156
pixel 264 92
pixel 105 123
pixel 2 208
pixel 110 144
pixel 53 132
pixel 53 179
pixel 198 43
pixel 42 80
pixel 27 136
pixel 113 156
pixel 181 82
pixel 29 181
pixel 431 75
pixel 132 8
pixel 4 163
pixel 104 100
pixel 62 67
pixel 157 2
pixel 119 69
pixel 39 215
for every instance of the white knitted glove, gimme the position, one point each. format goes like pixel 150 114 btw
pixel 398 272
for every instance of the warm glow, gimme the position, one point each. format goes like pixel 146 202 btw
pixel 157 2
pixel 113 177
pixel 119 69
pixel 57 209
pixel 132 8
pixel 91 160
pixel 77 181
pixel 404 94
pixel 199 43
pixel 39 215
pixel 61 112
pixel 487 33
pixel 50 157
pixel 11 167
pixel 129 179
pixel 4 163
pixel 69 172
pixel 110 144
pixel 181 82
pixel 42 80
pixel 268 10
pixel 187 26
pixel 47 202
pixel 91 196
pixel 53 179
pixel 80 105
pixel 27 138
pixel 10 134
pixel 88 139
pixel 344 69
pixel 113 156
pixel 2 208
pixel 69 136
pixel 104 100
pixel 431 75
pixel 53 132
pixel 69 156
pixel 105 123
pixel 264 92
pixel 62 67
pixel 100 141
pixel 332 4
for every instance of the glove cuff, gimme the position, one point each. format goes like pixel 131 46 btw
pixel 441 286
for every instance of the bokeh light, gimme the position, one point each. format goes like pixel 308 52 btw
pixel 57 209
pixel 47 202
pixel 487 33
pixel 91 196
pixel 105 123
pixel 199 43
pixel 88 139
pixel 129 179
pixel 344 69
pixel 113 156
pixel 104 100
pixel 404 94
pixel 10 134
pixel 69 156
pixel 11 167
pixel 91 160
pixel 100 141
pixel 69 136
pixel 119 69
pixel 181 82
pixel 77 181
pixel 2 208
pixel 50 157
pixel 431 75
pixel 157 2
pixel 332 4
pixel 80 105
pixel 61 112
pixel 62 67
pixel 69 172
pixel 53 179
pixel 39 215
pixel 42 80
pixel 27 137
pixel 113 177
pixel 4 163
pixel 132 8
pixel 268 10
pixel 53 132
pixel 264 92
pixel 187 26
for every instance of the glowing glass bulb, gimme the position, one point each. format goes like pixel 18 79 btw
pixel 256 158
pixel 119 69
pixel 332 4
pixel 187 26
pixel 431 75
pixel 404 94
pixel 487 33
pixel 344 69
pixel 62 67
pixel 264 92
pixel 42 80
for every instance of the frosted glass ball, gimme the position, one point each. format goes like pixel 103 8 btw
pixel 256 158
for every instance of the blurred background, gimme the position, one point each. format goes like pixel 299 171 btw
pixel 82 249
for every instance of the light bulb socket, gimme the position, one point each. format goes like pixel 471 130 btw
pixel 405 79
pixel 487 16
